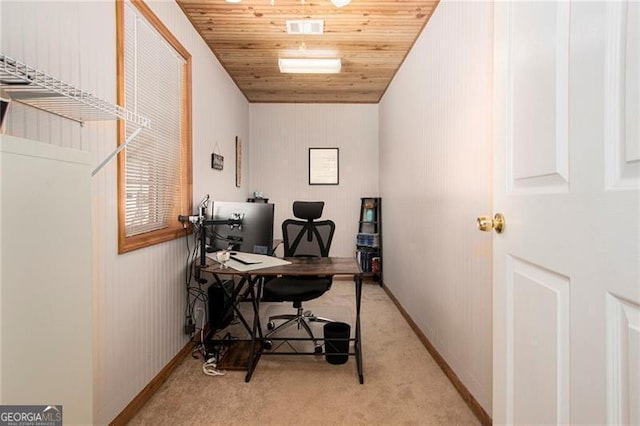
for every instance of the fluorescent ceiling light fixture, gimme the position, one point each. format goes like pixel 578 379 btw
pixel 313 53
pixel 338 3
pixel 305 26
pixel 238 1
pixel 309 65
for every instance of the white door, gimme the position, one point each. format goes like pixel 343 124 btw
pixel 567 178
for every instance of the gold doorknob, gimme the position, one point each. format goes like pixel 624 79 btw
pixel 486 224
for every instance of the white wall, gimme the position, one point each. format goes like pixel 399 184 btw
pixel 140 295
pixel 281 135
pixel 435 151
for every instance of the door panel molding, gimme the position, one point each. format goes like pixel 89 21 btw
pixel 622 96
pixel 623 361
pixel 538 90
pixel 537 331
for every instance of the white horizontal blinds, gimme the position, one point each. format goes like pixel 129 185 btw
pixel 153 87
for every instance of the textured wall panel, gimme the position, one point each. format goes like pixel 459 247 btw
pixel 435 168
pixel 281 135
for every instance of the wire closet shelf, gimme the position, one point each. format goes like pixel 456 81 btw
pixel 28 85
pixel 33 87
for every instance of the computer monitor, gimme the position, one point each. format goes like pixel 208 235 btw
pixel 255 235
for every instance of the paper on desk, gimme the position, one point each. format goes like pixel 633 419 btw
pixel 264 261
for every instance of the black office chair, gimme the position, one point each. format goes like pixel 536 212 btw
pixel 302 238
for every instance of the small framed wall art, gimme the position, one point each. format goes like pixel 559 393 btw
pixel 323 166
pixel 217 161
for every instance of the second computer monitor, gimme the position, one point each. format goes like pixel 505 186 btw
pixel 255 235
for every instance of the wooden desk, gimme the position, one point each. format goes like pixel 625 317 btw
pixel 335 266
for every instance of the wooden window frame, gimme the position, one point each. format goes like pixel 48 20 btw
pixel 174 230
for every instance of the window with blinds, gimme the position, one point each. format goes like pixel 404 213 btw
pixel 154 169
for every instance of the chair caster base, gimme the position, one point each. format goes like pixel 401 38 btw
pixel 267 344
pixel 318 350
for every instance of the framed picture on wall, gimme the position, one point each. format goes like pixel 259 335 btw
pixel 217 161
pixel 238 162
pixel 323 166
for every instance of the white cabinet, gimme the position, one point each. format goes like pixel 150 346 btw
pixel 46 278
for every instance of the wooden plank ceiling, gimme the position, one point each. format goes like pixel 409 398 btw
pixel 371 37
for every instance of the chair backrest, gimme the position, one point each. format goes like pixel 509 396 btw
pixel 307 237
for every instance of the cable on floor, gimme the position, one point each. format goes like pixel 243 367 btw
pixel 210 368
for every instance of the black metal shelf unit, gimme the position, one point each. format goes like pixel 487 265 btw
pixel 369 238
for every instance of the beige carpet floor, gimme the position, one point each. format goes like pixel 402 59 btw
pixel 402 383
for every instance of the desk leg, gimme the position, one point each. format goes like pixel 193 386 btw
pixel 256 332
pixel 358 341
pixel 234 296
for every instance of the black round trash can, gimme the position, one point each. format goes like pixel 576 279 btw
pixel 336 342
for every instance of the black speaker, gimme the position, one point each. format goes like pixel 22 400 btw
pixel 220 309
